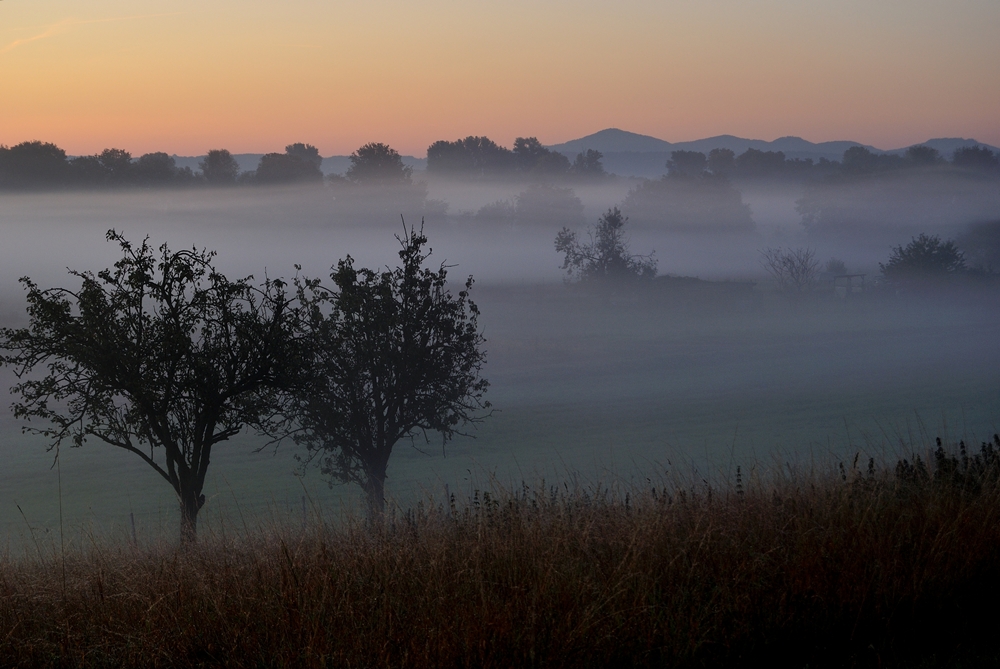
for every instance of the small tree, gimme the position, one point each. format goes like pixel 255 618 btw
pixel 606 256
pixel 162 356
pixel 794 270
pixel 392 354
pixel 924 260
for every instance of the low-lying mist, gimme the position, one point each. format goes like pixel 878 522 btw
pixel 589 384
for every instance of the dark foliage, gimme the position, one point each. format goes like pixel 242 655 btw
pixel 976 158
pixel 298 164
pixel 219 168
pixel 722 162
pixel 162 356
pixel 33 165
pixel 687 163
pixel 376 164
pixel 391 355
pixel 588 165
pixel 472 157
pixel 925 261
pixel 606 256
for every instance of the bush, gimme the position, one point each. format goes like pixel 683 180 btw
pixel 794 270
pixel 925 260
pixel 606 256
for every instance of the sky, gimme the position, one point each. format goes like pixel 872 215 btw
pixel 252 76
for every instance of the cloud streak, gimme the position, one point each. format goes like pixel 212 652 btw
pixel 68 24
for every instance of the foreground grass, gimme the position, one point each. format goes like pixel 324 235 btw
pixel 864 567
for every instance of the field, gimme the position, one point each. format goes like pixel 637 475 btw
pixel 585 386
pixel 865 567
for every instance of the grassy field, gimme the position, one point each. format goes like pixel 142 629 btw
pixel 600 388
pixel 864 566
pixel 603 390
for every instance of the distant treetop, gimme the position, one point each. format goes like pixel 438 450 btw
pixel 378 164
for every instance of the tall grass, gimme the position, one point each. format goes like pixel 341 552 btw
pixel 866 566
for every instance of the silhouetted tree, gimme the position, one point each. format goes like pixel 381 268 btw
pixel 922 262
pixel 687 163
pixel 87 171
pixel 794 270
pixel 297 165
pixel 473 157
pixel 722 162
pixel 754 163
pixel 33 165
pixel 975 158
pixel 155 169
pixel 162 354
pixel 392 353
pixel 923 156
pixel 858 160
pixel 527 152
pixel 552 164
pixel 606 256
pixel 306 153
pixel 378 164
pixel 588 165
pixel 219 168
pixel 117 164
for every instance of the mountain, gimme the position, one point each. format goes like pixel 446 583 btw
pixel 947 145
pixel 632 154
pixel 613 140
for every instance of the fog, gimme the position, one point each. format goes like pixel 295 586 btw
pixel 587 385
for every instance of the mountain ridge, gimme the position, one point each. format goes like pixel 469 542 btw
pixel 633 154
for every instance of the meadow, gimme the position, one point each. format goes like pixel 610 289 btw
pixel 585 385
pixel 865 565
pixel 656 486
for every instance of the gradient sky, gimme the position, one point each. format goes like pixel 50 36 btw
pixel 252 76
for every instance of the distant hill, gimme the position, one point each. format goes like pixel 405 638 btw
pixel 947 145
pixel 632 154
pixel 613 140
pixel 331 165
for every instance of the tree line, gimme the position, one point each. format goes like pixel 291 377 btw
pixel 41 165
pixel 856 161
pixel 482 158
pixel 35 164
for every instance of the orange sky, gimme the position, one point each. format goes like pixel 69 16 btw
pixel 251 76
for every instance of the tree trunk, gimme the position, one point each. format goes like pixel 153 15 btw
pixel 375 490
pixel 191 503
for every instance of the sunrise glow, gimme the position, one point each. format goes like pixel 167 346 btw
pixel 253 76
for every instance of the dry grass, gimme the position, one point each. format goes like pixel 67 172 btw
pixel 859 568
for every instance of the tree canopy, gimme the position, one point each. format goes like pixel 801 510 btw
pixel 219 168
pixel 925 260
pixel 377 164
pixel 161 356
pixel 392 354
pixel 300 163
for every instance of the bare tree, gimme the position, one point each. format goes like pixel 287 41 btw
pixel 794 270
